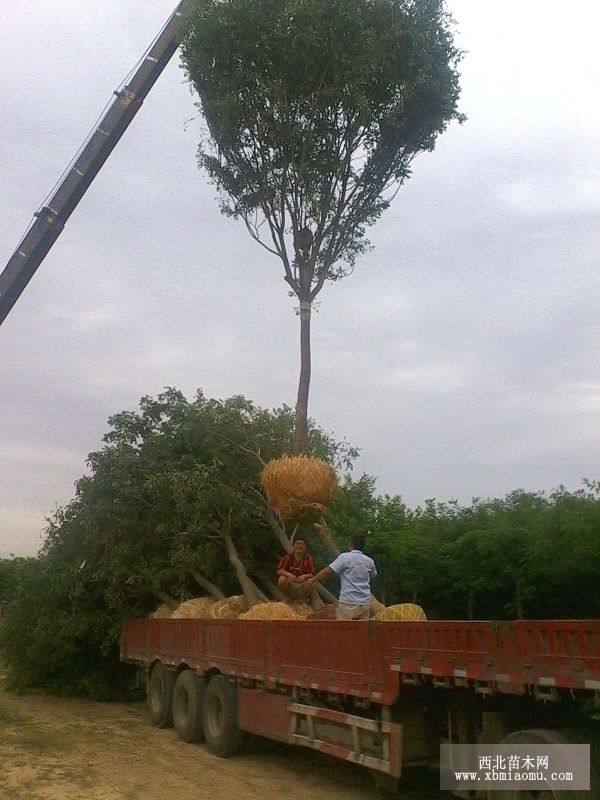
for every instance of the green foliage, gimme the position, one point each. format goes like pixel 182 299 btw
pixel 141 522
pixel 528 555
pixel 315 110
pixel 59 633
pixel 149 512
pixel 12 572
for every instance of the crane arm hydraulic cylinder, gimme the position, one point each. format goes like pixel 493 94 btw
pixel 51 218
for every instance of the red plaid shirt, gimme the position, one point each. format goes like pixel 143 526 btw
pixel 305 566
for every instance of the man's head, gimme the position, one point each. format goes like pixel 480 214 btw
pixel 299 546
pixel 356 541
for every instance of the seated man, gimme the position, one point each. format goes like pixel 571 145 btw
pixel 294 570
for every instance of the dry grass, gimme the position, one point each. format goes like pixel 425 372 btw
pixel 271 611
pixel 299 487
pixel 162 612
pixel 230 608
pixel 196 608
pixel 403 612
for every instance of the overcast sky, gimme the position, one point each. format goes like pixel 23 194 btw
pixel 462 354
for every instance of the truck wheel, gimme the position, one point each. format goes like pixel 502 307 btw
pixel 220 717
pixel 543 736
pixel 160 696
pixel 188 696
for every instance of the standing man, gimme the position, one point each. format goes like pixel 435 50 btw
pixel 356 571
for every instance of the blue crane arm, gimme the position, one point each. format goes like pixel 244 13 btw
pixel 50 219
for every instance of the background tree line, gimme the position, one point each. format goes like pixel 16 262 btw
pixel 149 523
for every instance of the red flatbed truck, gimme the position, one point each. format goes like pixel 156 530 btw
pixel 380 694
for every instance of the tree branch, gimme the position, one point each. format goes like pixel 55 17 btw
pixel 251 592
pixel 205 584
pixel 142 590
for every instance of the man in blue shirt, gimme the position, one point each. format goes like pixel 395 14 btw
pixel 355 570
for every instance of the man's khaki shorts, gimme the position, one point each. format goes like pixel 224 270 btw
pixel 351 611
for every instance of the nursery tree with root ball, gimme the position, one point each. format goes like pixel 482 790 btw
pixel 315 110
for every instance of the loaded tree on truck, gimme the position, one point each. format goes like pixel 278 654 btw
pixel 381 694
pixel 316 110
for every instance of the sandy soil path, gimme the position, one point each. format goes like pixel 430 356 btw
pixel 54 748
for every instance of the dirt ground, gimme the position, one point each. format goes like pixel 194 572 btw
pixel 54 748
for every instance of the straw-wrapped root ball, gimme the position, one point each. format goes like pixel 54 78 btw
pixel 299 487
pixel 196 608
pixel 403 612
pixel 230 608
pixel 162 612
pixel 271 612
pixel 325 613
pixel 301 610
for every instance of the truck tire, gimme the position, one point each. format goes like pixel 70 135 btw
pixel 188 696
pixel 546 736
pixel 160 696
pixel 220 717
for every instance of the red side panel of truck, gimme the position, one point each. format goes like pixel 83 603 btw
pixel 371 659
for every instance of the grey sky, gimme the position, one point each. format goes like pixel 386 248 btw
pixel 461 356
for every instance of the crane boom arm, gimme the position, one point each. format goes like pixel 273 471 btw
pixel 52 216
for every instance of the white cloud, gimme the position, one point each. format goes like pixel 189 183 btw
pixel 549 195
pixel 23 453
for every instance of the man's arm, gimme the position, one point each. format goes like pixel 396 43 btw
pixel 282 573
pixel 325 573
pixel 336 566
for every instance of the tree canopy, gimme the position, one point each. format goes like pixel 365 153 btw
pixel 315 110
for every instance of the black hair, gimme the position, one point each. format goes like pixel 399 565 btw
pixel 299 539
pixel 358 541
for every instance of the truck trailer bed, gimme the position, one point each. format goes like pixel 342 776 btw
pixel 373 659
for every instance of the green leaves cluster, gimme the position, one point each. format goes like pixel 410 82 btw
pixel 528 555
pixel 315 110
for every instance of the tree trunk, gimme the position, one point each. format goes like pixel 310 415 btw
pixel 209 587
pixel 273 590
pixel 251 592
pixel 141 591
pixel 519 599
pixel 471 606
pixel 277 529
pixel 326 538
pixel 166 598
pixel 326 595
pixel 301 432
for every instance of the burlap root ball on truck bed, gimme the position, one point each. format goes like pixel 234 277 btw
pixel 402 612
